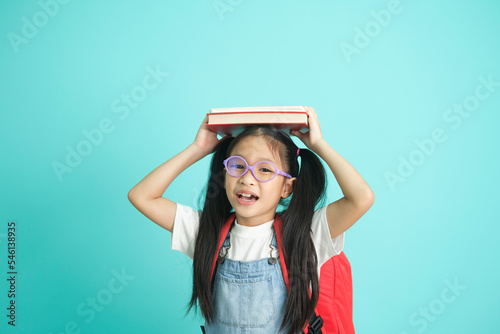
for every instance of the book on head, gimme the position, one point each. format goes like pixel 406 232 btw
pixel 232 121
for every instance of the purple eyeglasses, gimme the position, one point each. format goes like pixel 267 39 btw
pixel 263 171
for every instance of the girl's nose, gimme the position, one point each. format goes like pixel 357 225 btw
pixel 248 178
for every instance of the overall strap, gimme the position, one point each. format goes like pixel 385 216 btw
pixel 222 237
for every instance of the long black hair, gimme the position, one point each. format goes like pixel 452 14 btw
pixel 298 248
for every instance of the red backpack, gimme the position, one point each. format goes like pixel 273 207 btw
pixel 335 285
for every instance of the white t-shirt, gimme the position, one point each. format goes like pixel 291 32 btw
pixel 252 243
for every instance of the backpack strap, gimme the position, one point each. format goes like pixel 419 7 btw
pixel 222 237
pixel 278 228
pixel 317 323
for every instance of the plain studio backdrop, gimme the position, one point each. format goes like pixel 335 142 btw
pixel 96 94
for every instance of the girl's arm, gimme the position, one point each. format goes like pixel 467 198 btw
pixel 358 196
pixel 146 196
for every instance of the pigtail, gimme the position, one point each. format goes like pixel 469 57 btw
pixel 300 254
pixel 216 211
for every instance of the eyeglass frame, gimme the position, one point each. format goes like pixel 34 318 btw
pixel 251 167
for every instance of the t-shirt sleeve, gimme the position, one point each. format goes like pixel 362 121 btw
pixel 326 247
pixel 185 229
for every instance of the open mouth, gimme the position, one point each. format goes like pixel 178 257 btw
pixel 247 198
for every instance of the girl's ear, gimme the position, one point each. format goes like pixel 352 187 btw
pixel 288 187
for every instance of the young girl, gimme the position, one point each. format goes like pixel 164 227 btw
pixel 250 176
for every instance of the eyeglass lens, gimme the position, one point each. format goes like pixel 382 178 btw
pixel 262 171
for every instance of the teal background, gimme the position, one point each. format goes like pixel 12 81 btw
pixel 76 232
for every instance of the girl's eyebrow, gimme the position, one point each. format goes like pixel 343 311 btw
pixel 258 159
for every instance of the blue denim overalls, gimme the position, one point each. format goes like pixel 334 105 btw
pixel 249 296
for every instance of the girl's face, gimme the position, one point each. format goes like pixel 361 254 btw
pixel 265 196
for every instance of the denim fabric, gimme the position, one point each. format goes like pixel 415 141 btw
pixel 249 296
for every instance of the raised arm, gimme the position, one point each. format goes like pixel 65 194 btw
pixel 146 196
pixel 358 196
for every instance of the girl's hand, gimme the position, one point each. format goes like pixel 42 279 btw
pixel 314 136
pixel 206 139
